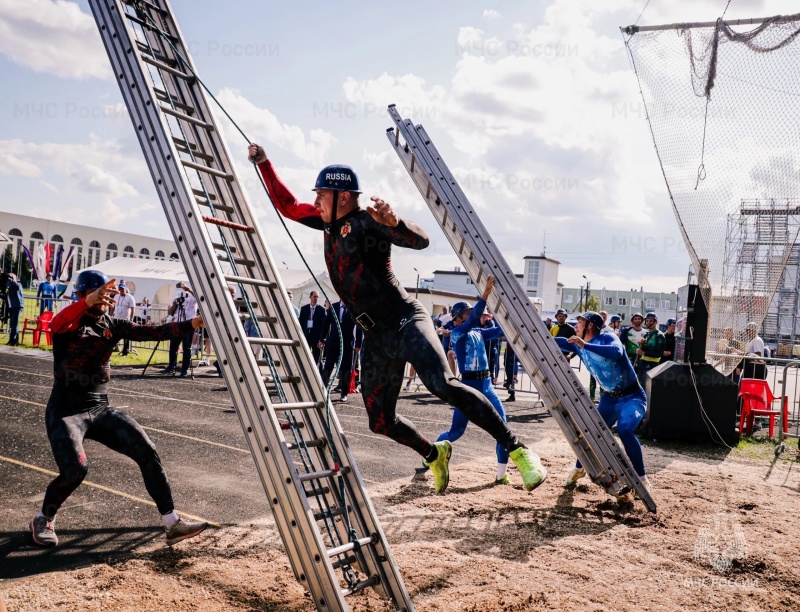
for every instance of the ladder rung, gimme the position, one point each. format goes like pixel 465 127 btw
pixel 214 205
pixel 328 514
pixel 332 552
pixel 273 341
pixel 317 491
pixel 222 247
pixel 252 281
pixel 260 318
pixel 241 303
pixel 203 194
pixel 346 561
pixel 317 476
pixel 145 24
pixel 187 147
pixel 360 586
pixel 310 444
pixel 288 426
pixel 156 55
pixel 147 4
pixel 237 260
pixel 239 227
pixel 166 67
pixel 298 405
pixel 292 380
pixel 264 363
pixel 207 170
pixel 184 117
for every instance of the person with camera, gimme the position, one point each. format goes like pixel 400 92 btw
pixel 124 307
pixel 183 308
pixel 84 335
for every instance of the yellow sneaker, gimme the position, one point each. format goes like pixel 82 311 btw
pixel 530 467
pixel 505 480
pixel 440 466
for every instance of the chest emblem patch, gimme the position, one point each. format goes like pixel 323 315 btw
pixel 345 230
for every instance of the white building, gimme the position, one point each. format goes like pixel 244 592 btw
pixel 93 245
pixel 457 281
pixel 541 281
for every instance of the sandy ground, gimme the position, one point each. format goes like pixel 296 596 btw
pixel 483 547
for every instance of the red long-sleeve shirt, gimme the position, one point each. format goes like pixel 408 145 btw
pixel 358 256
pixel 82 345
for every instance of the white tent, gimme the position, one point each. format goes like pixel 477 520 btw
pixel 145 278
pixel 156 280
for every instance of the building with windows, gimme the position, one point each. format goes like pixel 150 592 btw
pixel 92 245
pixel 541 281
pixel 623 303
pixel 455 281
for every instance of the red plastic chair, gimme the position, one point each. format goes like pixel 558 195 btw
pixel 757 400
pixel 38 327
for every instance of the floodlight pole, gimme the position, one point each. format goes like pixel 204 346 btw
pixel 633 29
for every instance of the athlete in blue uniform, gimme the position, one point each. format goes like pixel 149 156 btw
pixel 623 400
pixel 467 341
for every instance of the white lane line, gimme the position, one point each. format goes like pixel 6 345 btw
pixel 94 485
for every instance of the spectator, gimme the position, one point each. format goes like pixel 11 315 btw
pixel 614 323
pixel 183 308
pixel 16 302
pixel 143 318
pixel 352 336
pixel 312 320
pixel 291 300
pixel 511 372
pixel 651 348
pixel 730 345
pixel 549 322
pixel 562 329
pixel 632 336
pixel 492 345
pixel 46 294
pixel 123 309
pixel 669 341
pixel 754 347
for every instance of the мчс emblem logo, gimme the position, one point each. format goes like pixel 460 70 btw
pixel 720 541
pixel 345 230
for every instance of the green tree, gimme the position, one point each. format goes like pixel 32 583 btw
pixel 7 260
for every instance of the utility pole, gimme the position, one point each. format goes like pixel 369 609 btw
pixel 416 290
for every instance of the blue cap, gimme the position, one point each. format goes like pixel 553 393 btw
pixel 614 319
pixel 459 307
pixel 671 321
pixel 593 318
pixel 89 280
pixel 337 178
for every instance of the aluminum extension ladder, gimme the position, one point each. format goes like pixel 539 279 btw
pixel 559 388
pixel 327 523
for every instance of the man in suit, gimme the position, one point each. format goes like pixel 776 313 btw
pixel 312 320
pixel 352 337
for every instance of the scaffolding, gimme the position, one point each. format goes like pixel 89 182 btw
pixel 760 272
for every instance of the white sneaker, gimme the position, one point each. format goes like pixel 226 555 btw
pixel 203 363
pixel 574 476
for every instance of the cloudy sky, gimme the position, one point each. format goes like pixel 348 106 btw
pixel 533 105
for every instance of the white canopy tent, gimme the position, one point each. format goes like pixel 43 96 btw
pixel 156 280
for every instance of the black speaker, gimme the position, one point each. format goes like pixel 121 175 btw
pixel 692 326
pixel 673 410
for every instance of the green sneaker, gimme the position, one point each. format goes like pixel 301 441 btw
pixel 574 476
pixel 530 467
pixel 505 480
pixel 439 466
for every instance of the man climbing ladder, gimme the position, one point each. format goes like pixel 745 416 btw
pixel 358 256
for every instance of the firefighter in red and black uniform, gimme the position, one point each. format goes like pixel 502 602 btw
pixel 84 336
pixel 358 246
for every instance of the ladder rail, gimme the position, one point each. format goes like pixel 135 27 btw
pixel 564 396
pixel 255 408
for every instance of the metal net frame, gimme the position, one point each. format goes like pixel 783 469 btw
pixel 721 105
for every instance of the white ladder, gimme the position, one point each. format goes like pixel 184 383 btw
pixel 327 523
pixel 559 388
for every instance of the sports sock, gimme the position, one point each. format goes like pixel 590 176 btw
pixel 432 456
pixel 501 470
pixel 170 519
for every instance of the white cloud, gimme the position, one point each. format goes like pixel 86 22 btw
pixel 490 14
pixel 52 36
pixel 261 125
